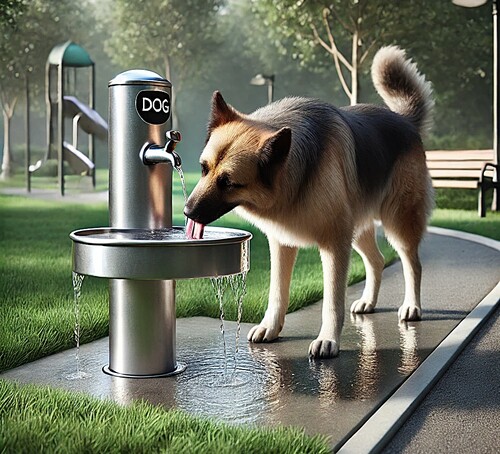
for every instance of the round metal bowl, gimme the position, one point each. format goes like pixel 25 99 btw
pixel 160 254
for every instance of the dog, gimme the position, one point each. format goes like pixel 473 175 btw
pixel 309 174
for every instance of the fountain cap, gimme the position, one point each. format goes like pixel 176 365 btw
pixel 139 77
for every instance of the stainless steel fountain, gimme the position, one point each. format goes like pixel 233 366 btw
pixel 141 253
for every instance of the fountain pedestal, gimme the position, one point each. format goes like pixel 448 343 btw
pixel 141 253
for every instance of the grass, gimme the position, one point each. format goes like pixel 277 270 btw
pixel 40 419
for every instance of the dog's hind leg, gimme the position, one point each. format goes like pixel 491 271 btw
pixel 335 260
pixel 404 230
pixel 282 262
pixel 404 215
pixel 365 244
pixel 412 270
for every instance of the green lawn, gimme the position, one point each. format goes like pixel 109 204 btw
pixel 36 419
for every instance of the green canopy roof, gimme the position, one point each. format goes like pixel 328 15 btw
pixel 69 54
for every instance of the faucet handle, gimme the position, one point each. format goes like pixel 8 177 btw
pixel 174 136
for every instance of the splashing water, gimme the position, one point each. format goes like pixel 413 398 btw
pixel 237 286
pixel 77 294
pixel 219 284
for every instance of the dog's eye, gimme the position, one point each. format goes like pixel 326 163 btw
pixel 204 169
pixel 224 182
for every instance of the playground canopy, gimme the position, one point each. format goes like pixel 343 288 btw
pixel 69 54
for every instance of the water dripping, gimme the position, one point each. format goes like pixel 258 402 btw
pixel 219 284
pixel 237 286
pixel 183 185
pixel 77 295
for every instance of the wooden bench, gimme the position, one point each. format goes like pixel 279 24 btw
pixel 467 169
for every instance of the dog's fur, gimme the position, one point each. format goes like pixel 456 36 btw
pixel 307 173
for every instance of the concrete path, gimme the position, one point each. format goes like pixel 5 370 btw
pixel 276 384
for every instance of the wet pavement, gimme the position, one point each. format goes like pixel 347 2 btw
pixel 276 384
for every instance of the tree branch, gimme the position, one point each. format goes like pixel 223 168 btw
pixel 367 51
pixel 335 52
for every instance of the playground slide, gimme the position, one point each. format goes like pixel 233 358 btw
pixel 90 120
pixel 79 162
pixel 92 123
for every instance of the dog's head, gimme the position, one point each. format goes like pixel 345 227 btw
pixel 240 164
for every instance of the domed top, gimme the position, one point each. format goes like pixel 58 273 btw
pixel 69 54
pixel 139 77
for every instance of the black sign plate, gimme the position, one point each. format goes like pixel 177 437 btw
pixel 153 106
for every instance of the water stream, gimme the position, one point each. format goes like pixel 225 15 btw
pixel 184 190
pixel 77 295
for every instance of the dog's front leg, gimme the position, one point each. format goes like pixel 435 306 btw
pixel 335 262
pixel 282 262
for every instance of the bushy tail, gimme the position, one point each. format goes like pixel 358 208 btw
pixel 401 86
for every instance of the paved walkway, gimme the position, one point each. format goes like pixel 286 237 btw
pixel 275 384
pixel 48 194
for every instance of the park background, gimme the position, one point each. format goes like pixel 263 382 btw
pixel 207 45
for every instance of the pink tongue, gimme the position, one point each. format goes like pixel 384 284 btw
pixel 194 230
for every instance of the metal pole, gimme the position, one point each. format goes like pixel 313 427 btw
pixel 91 136
pixel 60 126
pixel 496 90
pixel 27 131
pixel 270 91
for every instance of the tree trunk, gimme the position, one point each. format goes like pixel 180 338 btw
pixel 173 110
pixel 6 161
pixel 354 71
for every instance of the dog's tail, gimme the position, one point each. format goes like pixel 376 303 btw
pixel 401 86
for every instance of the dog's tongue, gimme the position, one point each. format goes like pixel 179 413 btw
pixel 194 230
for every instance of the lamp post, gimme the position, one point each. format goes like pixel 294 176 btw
pixel 262 79
pixel 496 88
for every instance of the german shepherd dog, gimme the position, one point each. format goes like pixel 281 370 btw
pixel 307 173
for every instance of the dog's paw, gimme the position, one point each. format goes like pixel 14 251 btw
pixel 323 348
pixel 263 333
pixel 362 306
pixel 407 313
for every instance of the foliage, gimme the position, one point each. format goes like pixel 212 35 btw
pixel 168 36
pixel 11 11
pixel 451 45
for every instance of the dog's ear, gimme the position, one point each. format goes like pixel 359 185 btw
pixel 273 153
pixel 221 113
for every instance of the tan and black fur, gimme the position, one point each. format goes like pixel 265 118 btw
pixel 308 173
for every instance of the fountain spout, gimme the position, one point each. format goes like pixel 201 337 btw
pixel 154 154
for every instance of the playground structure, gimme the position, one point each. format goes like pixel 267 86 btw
pixel 60 85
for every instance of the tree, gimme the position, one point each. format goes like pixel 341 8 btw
pixel 25 42
pixel 173 37
pixel 452 46
pixel 347 30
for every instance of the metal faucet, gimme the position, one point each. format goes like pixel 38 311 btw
pixel 154 154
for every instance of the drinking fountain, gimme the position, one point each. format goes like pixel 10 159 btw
pixel 141 253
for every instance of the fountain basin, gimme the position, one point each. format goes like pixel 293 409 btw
pixel 161 254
